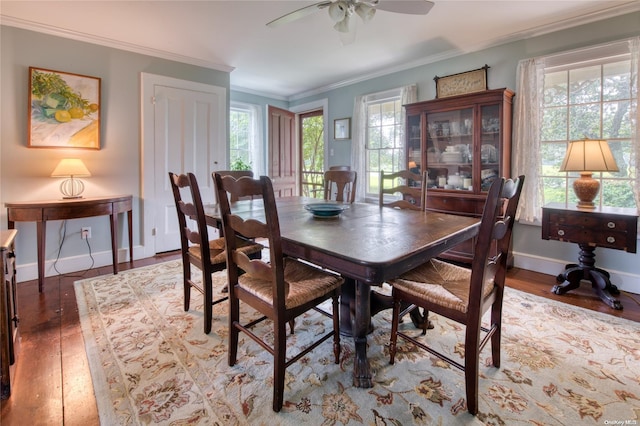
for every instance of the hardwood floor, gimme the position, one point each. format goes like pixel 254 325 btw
pixel 52 383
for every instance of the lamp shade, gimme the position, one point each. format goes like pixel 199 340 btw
pixel 70 167
pixel 589 155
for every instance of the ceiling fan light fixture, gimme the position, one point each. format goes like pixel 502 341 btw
pixel 342 26
pixel 338 11
pixel 365 11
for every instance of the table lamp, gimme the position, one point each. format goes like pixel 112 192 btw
pixel 587 156
pixel 71 168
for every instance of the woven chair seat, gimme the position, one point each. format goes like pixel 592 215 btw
pixel 217 249
pixel 440 283
pixel 310 283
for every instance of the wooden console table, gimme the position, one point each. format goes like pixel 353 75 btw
pixel 609 227
pixel 42 211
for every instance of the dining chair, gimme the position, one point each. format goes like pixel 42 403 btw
pixel 462 294
pixel 208 257
pixel 280 289
pixel 340 168
pixel 410 186
pixel 344 183
pixel 237 174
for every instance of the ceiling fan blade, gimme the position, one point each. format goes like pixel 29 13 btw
pixel 411 7
pixel 297 14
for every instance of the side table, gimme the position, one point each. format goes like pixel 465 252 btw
pixel 609 227
pixel 43 211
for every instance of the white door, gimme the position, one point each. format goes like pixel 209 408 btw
pixel 188 122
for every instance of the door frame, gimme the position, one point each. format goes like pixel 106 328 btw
pixel 312 106
pixel 147 149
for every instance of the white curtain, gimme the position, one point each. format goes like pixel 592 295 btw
pixel 408 94
pixel 634 48
pixel 258 159
pixel 527 122
pixel 358 144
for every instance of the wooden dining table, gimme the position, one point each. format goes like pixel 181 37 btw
pixel 366 244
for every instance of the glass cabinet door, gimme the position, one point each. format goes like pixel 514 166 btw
pixel 449 149
pixel 490 154
pixel 414 145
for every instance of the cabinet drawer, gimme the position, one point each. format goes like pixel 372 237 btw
pixel 592 221
pixel 598 237
pixel 454 205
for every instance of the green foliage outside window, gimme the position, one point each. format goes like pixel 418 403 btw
pixel 588 102
pixel 385 141
pixel 240 140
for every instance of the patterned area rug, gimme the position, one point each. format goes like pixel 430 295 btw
pixel 151 363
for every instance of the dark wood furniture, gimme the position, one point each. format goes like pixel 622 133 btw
pixel 236 174
pixel 281 289
pixel 207 255
pixel 408 186
pixel 464 294
pixel 463 143
pixel 43 211
pixel 340 185
pixel 350 245
pixel 8 310
pixel 608 227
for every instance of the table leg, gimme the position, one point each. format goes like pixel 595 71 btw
pixel 361 367
pixel 114 241
pixel 41 230
pixel 600 279
pixel 130 222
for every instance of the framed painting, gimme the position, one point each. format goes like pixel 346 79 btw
pixel 462 83
pixel 342 128
pixel 64 110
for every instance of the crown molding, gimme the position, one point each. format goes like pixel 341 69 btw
pixel 107 42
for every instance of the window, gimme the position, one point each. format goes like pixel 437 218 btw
pixel 587 93
pixel 591 100
pixel 245 140
pixel 384 138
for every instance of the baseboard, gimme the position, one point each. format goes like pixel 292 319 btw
pixel 623 280
pixel 66 265
pixel 26 272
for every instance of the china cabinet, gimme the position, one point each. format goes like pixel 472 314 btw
pixel 464 143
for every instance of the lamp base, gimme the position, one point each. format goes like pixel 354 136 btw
pixel 586 189
pixel 71 188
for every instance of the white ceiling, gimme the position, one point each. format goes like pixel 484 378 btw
pixel 306 55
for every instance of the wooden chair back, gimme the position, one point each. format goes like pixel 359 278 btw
pixel 412 188
pixel 268 228
pixel 236 174
pixel 340 183
pixel 195 247
pixel 344 168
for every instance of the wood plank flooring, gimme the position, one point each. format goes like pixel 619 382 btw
pixel 52 383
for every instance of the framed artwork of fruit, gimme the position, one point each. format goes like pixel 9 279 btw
pixel 64 110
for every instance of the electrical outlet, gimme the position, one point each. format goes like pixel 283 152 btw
pixel 85 232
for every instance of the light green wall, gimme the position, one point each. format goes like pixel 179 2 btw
pixel 115 168
pixel 503 61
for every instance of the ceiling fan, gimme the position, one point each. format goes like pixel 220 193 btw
pixel 340 11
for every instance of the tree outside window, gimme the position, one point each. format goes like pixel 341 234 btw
pixel 588 100
pixel 384 140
